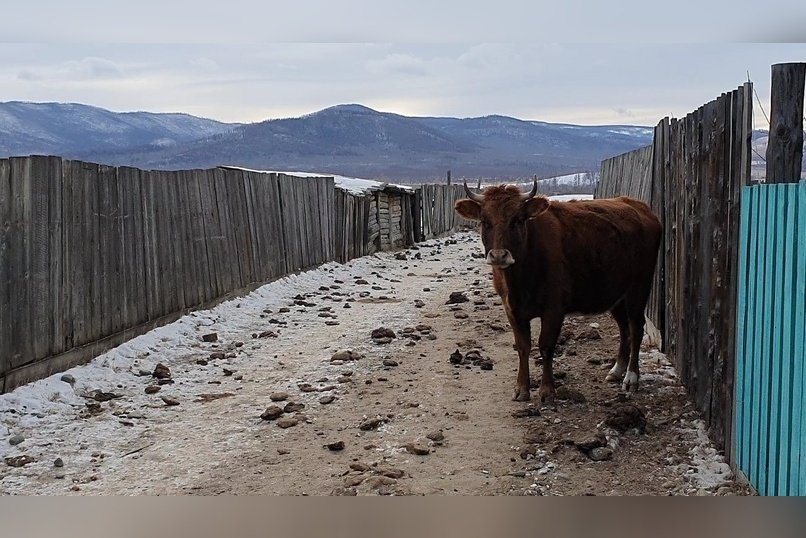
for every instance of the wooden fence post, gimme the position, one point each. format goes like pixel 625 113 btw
pixel 785 145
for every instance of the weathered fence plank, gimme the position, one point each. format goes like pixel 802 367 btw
pixel 257 265
pixel 107 246
pixel 166 243
pixel 205 277
pixel 150 238
pixel 7 233
pixel 191 272
pixel 243 229
pixel 94 300
pixel 176 243
pixel 212 233
pixel 229 271
pixel 127 247
pixel 21 319
pixel 276 249
pixel 139 257
pixel 69 263
pixel 785 143
pixel 118 284
pixel 39 271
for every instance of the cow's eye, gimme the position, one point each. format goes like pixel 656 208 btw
pixel 485 224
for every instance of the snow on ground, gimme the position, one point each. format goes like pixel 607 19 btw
pixel 707 471
pixel 44 411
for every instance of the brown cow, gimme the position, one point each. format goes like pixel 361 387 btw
pixel 554 258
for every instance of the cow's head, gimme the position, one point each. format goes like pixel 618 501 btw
pixel 503 211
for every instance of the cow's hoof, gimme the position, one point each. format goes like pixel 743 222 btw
pixel 547 395
pixel 616 373
pixel 521 395
pixel 630 382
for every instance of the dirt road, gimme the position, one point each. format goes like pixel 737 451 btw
pixel 409 421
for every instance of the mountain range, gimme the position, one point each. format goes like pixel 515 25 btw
pixel 350 140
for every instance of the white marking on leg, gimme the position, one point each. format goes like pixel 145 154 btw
pixel 616 372
pixel 630 382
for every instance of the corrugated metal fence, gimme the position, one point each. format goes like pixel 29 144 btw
pixel 770 434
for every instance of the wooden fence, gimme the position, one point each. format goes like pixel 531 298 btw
pixel 631 174
pixel 93 255
pixel 628 174
pixel 434 213
pixel 692 176
pixel 351 234
pixel 770 434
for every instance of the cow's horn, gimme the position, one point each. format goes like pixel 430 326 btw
pixel 534 191
pixel 472 195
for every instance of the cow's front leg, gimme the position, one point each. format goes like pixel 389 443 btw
pixel 523 342
pixel 549 331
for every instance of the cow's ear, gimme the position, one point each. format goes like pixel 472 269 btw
pixel 469 209
pixel 536 206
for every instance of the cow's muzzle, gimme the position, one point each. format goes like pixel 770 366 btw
pixel 500 257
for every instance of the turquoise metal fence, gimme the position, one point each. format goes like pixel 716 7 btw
pixel 770 434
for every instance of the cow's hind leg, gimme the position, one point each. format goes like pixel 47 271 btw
pixel 619 313
pixel 636 335
pixel 523 342
pixel 636 304
pixel 549 331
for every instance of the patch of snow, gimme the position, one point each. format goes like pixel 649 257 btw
pixel 640 132
pixel 709 471
pixel 353 185
pixel 579 178
pixel 569 197
pixel 164 142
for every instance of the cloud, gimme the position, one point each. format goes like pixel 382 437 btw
pixel 95 68
pixel 399 64
pixel 205 63
pixel 568 82
pixel 29 75
pixel 89 68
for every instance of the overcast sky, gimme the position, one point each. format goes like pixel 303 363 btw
pixel 242 65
